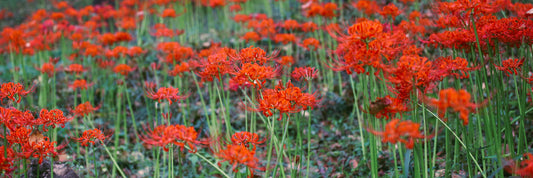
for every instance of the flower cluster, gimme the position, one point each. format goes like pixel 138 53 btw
pixel 179 135
pixel 285 99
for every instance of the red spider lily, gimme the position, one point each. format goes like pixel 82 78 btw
pixel 308 27
pixel 75 68
pixel 47 68
pixel 14 118
pixel 175 52
pixel 306 73
pixel 386 106
pixel 329 10
pixel 135 51
pixel 84 109
pixel 180 68
pixel 216 66
pixel 251 36
pixel 235 8
pixel 238 154
pixel 255 74
pixel 14 38
pixel 19 135
pixel 525 169
pixel 241 18
pixel 290 25
pixel 400 131
pixel 6 159
pixel 285 99
pixel 123 37
pixel 89 136
pixel 286 61
pixel 107 39
pixel 163 135
pixel 164 93
pixel 10 90
pixel 365 31
pixel 457 100
pixel 310 42
pixel 390 10
pixel 79 83
pixel 510 66
pixel 246 139
pixel 251 55
pixel 127 23
pixel 52 118
pixel 368 7
pixel 161 30
pixel 284 38
pixel 40 148
pixel 457 67
pixel 169 12
pixel 123 69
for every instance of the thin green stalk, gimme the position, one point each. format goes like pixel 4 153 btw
pixel 460 141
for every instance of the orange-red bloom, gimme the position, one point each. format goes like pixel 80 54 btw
pixel 306 73
pixel 123 69
pixel 400 131
pixel 10 90
pixel 164 93
pixel 84 109
pixel 238 154
pixel 52 118
pixel 89 136
pixel 179 135
pixel 510 66
pixel 246 139
pixel 457 100
pixel 285 99
pixel 525 169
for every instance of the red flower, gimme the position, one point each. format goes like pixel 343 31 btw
pixel 329 10
pixel 179 69
pixel 79 83
pixel 400 131
pixel 238 154
pixel 251 36
pixel 10 90
pixel 510 66
pixel 390 10
pixel 47 68
pixel 285 99
pixel 457 100
pixel 168 93
pixel 365 30
pixel 75 68
pixel 286 61
pixel 255 74
pixel 284 38
pixel 89 136
pixel 290 24
pixel 308 26
pixel 179 135
pixel 6 159
pixel 19 135
pixel 306 73
pixel 84 109
pixel 525 169
pixel 310 42
pixel 246 139
pixel 168 12
pixel 39 148
pixel 123 69
pixel 53 117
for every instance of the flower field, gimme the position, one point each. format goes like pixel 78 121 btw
pixel 267 88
